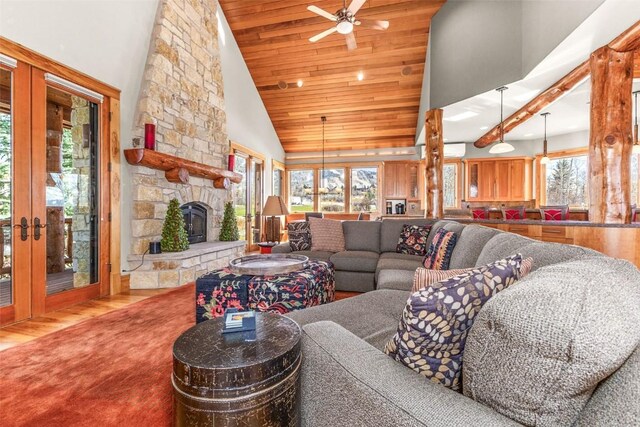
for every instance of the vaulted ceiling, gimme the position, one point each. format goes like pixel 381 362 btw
pixel 378 112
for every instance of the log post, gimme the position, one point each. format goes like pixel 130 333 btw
pixel 177 175
pixel 610 140
pixel 434 163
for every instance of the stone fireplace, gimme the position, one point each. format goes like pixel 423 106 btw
pixel 182 93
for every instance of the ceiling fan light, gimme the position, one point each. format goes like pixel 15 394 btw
pixel 344 27
pixel 501 147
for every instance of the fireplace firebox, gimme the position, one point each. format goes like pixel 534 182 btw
pixel 195 220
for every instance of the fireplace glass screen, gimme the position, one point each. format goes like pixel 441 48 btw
pixel 195 221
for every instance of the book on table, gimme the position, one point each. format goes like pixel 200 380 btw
pixel 235 319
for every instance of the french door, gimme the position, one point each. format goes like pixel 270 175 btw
pixel 53 193
pixel 248 196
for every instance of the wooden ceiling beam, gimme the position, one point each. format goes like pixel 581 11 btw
pixel 625 42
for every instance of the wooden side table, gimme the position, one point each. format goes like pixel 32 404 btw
pixel 265 247
pixel 239 378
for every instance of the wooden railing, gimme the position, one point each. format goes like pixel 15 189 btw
pixel 5 260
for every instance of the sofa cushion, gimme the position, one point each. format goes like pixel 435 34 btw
pixel 326 235
pixel 538 350
pixel 413 239
pixel 395 255
pixel 362 235
pixel 440 250
pixel 470 243
pixel 545 253
pixel 355 261
pixel 409 264
pixel 321 255
pixel 372 316
pixel 501 246
pixel 391 228
pixel 395 279
pixel 299 236
pixel 434 324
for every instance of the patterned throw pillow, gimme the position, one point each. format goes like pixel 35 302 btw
pixel 439 253
pixel 424 277
pixel 434 324
pixel 413 239
pixel 552 215
pixel 326 235
pixel 299 236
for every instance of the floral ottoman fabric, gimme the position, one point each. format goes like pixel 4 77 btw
pixel 223 289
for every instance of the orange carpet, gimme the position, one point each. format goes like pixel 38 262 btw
pixel 112 370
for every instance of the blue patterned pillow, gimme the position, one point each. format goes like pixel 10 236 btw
pixel 299 236
pixel 413 239
pixel 434 324
pixel 439 254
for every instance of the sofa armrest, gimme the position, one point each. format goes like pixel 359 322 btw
pixel 281 248
pixel 346 381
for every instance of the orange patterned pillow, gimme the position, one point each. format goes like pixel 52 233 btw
pixel 326 235
pixel 424 277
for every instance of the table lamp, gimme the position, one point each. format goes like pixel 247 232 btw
pixel 274 207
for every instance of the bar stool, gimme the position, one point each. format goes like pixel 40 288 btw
pixel 554 213
pixel 480 213
pixel 513 213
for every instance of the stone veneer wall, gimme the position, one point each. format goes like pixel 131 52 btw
pixel 182 92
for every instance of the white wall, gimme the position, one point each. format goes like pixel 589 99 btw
pixel 248 123
pixel 106 39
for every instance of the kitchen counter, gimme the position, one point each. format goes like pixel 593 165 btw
pixel 544 223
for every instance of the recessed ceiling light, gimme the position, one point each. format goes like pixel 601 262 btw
pixel 446 139
pixel 406 70
pixel 300 83
pixel 360 76
pixel 484 128
pixel 461 116
pixel 528 134
pixel 282 84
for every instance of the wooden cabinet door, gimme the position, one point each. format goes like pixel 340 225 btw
pixel 487 180
pixel 412 181
pixel 390 180
pixel 503 181
pixel 402 178
pixel 518 180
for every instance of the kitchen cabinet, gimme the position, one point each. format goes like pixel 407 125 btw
pixel 499 179
pixel 396 180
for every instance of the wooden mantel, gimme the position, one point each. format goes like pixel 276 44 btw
pixel 178 170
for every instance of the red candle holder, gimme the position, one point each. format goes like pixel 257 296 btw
pixel 232 162
pixel 150 136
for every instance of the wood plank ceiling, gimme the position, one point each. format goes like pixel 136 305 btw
pixel 378 112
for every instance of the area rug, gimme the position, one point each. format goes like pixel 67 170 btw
pixel 112 370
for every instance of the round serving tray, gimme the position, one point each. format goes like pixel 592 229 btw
pixel 267 265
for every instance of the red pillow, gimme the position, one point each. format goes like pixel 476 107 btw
pixel 479 214
pixel 512 214
pixel 552 215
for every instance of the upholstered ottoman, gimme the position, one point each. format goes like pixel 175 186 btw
pixel 217 290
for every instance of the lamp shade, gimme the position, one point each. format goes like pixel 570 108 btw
pixel 275 206
pixel 501 147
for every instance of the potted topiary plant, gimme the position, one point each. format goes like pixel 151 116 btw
pixel 174 234
pixel 229 231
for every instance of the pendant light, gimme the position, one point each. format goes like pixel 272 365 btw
pixel 636 143
pixel 322 189
pixel 501 146
pixel 545 159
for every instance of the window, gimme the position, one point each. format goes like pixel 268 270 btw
pixel 331 190
pixel 450 187
pixel 635 179
pixel 566 181
pixel 278 178
pixel 301 190
pixel 364 189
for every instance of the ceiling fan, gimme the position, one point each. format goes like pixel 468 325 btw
pixel 345 19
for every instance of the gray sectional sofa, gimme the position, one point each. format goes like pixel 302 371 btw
pixel 560 347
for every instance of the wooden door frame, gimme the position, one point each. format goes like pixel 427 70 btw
pixel 109 218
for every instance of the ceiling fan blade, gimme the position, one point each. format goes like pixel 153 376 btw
pixel 351 41
pixel 374 24
pixel 355 6
pixel 322 12
pixel 323 34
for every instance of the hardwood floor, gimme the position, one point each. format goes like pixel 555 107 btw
pixel 31 329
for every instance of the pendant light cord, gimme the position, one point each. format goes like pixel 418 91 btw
pixel 324 119
pixel 501 119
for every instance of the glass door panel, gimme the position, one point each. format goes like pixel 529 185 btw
pixel 6 196
pixel 71 226
pixel 240 196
